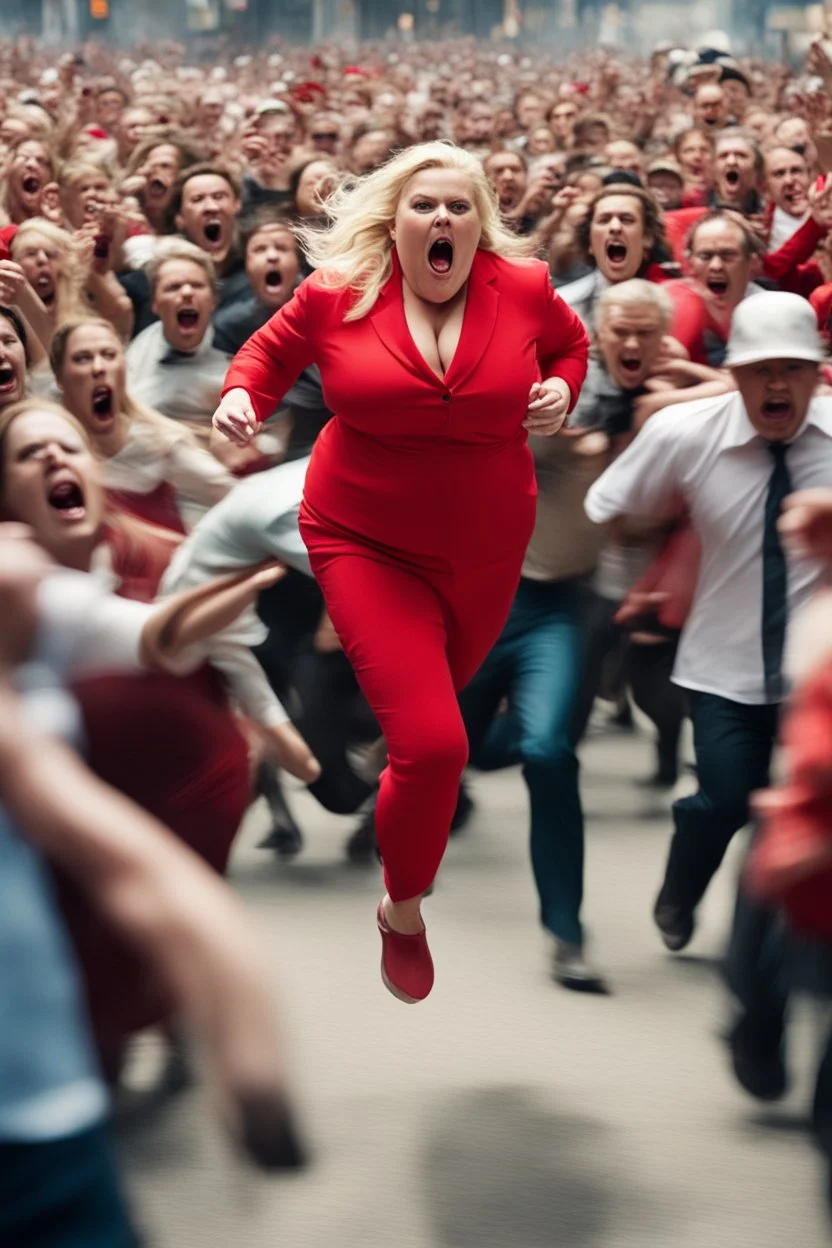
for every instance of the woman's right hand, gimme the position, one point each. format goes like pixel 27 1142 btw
pixel 235 417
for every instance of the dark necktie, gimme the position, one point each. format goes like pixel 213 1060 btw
pixel 775 575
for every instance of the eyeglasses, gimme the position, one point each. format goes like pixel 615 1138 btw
pixel 728 256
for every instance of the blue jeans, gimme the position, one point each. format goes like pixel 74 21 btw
pixel 537 664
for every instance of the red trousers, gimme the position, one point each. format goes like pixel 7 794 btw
pixel 415 638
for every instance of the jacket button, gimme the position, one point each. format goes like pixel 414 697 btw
pixel 446 398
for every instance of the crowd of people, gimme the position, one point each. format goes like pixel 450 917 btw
pixel 369 603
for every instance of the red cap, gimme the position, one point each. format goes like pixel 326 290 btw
pixel 6 235
pixel 821 301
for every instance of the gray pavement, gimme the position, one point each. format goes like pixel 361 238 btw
pixel 504 1112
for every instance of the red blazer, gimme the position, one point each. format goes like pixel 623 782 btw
pixel 429 467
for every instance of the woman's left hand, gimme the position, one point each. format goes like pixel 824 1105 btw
pixel 548 407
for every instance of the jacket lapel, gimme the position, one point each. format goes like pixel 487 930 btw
pixel 388 320
pixel 480 318
pixel 481 307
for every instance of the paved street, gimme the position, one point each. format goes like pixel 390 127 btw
pixel 504 1112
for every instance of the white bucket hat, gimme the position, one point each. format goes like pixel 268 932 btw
pixel 774 325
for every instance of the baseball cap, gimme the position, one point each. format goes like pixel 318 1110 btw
pixel 665 165
pixel 774 325
pixel 271 106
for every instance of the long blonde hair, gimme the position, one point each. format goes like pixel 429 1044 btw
pixel 355 249
pixel 166 432
pixel 69 288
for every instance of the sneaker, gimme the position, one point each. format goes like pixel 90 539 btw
pixel 676 925
pixel 571 970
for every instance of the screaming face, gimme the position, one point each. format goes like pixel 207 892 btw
pixel 272 264
pixel 617 239
pixel 436 232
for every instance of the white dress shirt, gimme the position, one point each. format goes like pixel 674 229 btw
pixel 708 454
pixel 257 521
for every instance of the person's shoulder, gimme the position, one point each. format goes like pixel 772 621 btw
pixel 687 421
pixel 820 413
pixel 517 270
pixel 148 340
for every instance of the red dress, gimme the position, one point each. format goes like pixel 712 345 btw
pixel 418 508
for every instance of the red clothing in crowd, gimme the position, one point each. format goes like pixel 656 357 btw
pixel 791 267
pixel 174 746
pixel 418 508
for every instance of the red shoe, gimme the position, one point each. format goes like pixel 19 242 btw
pixel 406 964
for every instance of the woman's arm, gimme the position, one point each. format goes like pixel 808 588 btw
pixel 563 346
pixel 275 355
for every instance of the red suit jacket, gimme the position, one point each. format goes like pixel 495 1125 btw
pixel 421 469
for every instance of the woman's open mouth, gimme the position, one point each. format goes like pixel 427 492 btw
pixel 187 319
pixel 102 403
pixel 212 231
pixel 441 256
pixel 45 287
pixel 31 184
pixel 156 188
pixel 8 379
pixel 67 498
pixel 616 252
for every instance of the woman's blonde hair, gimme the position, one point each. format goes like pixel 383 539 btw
pixel 166 432
pixel 69 291
pixel 355 250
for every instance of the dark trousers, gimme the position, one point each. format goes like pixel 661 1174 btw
pixel 536 664
pixel 647 670
pixel 63 1194
pixel 733 744
pixel 320 691
pixel 765 962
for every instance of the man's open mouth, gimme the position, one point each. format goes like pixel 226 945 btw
pixel 187 318
pixel 8 378
pixel 732 177
pixel 274 279
pixel 31 184
pixel 156 188
pixel 441 256
pixel 777 409
pixel 67 498
pixel 102 402
pixel 630 364
pixel 718 286
pixel 616 252
pixel 212 231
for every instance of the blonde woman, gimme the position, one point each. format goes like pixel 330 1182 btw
pixel 439 350
pixel 65 278
pixel 152 467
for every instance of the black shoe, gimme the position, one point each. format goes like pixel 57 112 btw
pixel 362 847
pixel 759 1066
pixel 285 840
pixel 571 970
pixel 464 809
pixel 676 925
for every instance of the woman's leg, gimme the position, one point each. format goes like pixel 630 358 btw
pixel 392 626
